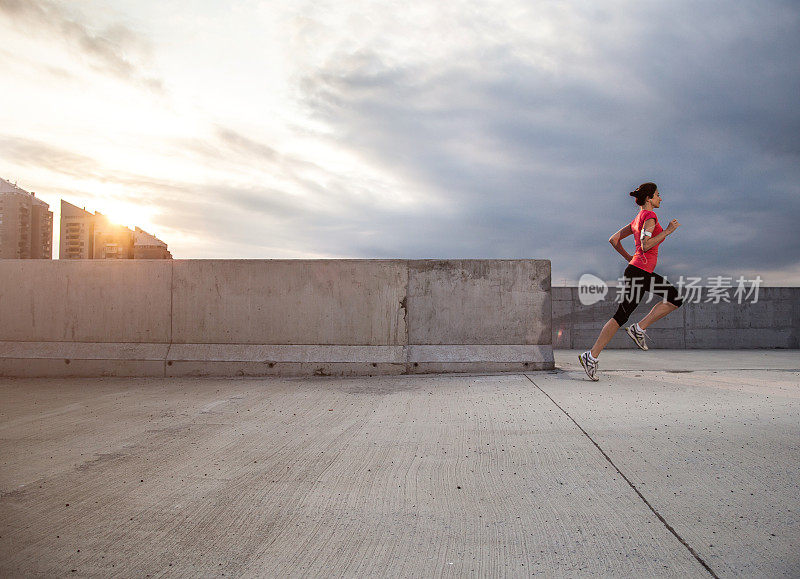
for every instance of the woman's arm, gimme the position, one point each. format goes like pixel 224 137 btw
pixel 617 237
pixel 649 243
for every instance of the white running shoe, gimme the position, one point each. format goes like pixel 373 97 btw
pixel 589 365
pixel 638 336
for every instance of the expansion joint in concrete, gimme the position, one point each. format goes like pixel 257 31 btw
pixel 171 315
pixel 658 515
pixel 404 307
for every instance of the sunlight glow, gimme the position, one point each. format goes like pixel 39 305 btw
pixel 128 214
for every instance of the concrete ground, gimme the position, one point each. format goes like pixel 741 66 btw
pixel 677 463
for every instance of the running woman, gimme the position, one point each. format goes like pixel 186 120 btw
pixel 639 276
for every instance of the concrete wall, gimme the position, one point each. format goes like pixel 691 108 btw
pixel 282 317
pixel 85 301
pixel 772 322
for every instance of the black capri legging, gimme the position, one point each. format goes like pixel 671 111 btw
pixel 638 281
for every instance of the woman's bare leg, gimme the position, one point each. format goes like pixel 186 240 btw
pixel 605 336
pixel 659 310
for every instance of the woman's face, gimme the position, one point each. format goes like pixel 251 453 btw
pixel 656 199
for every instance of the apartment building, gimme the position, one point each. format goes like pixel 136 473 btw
pixel 26 224
pixel 93 236
pixel 147 246
pixel 77 233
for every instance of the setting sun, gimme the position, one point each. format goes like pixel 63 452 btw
pixel 128 214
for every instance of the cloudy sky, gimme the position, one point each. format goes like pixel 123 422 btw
pixel 416 129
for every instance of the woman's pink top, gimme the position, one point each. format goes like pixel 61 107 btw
pixel 644 260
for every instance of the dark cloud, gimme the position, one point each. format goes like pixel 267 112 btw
pixel 28 152
pixel 108 50
pixel 240 149
pixel 539 162
pixel 234 140
pixel 315 190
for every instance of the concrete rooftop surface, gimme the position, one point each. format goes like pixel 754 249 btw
pixel 675 464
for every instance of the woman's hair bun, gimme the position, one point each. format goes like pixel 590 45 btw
pixel 644 192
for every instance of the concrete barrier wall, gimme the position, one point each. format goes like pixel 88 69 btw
pixel 85 301
pixel 772 322
pixel 281 317
pixel 335 302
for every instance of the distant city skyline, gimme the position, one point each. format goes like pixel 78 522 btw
pixel 84 235
pixel 357 129
pixel 26 231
